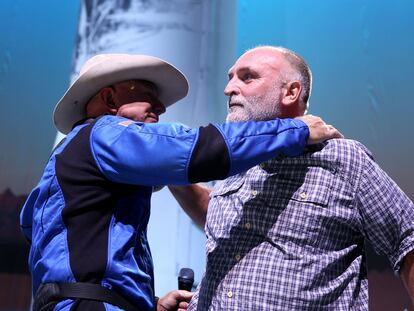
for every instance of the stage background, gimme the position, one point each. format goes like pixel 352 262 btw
pixel 360 53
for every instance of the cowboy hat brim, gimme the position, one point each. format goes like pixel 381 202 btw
pixel 171 83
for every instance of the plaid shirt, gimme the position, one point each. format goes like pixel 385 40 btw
pixel 289 234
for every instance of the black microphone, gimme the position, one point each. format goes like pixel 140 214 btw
pixel 186 279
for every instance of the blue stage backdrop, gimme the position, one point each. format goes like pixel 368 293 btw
pixel 36 48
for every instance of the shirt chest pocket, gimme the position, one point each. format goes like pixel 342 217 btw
pixel 313 193
pixel 311 185
pixel 302 202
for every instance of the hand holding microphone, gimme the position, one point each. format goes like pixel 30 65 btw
pixel 178 300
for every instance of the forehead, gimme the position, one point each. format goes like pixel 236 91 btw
pixel 259 60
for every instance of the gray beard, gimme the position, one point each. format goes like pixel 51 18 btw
pixel 255 110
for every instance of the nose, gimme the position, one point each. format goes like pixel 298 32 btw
pixel 231 88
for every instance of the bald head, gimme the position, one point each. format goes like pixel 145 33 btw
pixel 296 69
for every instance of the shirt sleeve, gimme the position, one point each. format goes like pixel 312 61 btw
pixel 387 214
pixel 161 153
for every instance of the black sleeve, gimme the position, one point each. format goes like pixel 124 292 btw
pixel 210 159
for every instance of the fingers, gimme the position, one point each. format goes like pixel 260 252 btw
pixel 319 131
pixel 334 132
pixel 174 298
pixel 184 295
pixel 182 306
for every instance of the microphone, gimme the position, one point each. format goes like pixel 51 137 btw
pixel 186 279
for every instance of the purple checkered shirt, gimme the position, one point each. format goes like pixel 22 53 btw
pixel 289 234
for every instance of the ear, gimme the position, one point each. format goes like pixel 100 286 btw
pixel 107 98
pixel 291 92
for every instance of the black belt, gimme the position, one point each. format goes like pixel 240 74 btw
pixel 49 294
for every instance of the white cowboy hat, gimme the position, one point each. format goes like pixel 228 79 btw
pixel 107 69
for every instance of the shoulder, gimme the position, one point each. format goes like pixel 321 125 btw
pixel 348 157
pixel 121 124
pixel 112 121
pixel 347 149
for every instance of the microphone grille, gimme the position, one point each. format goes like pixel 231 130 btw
pixel 186 273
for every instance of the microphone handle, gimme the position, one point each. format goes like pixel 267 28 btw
pixel 185 284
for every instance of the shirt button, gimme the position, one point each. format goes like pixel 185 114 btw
pixel 303 195
pixel 237 257
pixel 254 192
pixel 230 294
pixel 248 225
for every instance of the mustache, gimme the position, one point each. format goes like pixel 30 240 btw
pixel 237 100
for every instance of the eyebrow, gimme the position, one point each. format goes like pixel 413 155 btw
pixel 241 69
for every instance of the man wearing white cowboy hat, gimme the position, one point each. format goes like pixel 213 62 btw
pixel 86 220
